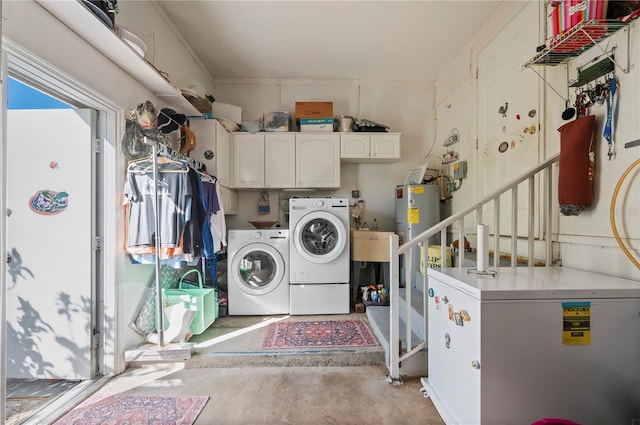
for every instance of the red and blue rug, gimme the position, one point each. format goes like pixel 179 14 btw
pixel 131 409
pixel 319 334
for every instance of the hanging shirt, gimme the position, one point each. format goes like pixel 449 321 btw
pixel 211 197
pixel 218 223
pixel 197 240
pixel 174 203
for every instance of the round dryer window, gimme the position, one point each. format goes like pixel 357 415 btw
pixel 320 237
pixel 260 270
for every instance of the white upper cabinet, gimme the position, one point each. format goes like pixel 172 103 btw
pixel 212 148
pixel 280 160
pixel 286 160
pixel 248 160
pixel 317 160
pixel 369 147
pixel 264 160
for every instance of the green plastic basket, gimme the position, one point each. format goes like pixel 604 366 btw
pixel 204 301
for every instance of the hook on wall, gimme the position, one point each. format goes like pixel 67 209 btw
pixel 503 109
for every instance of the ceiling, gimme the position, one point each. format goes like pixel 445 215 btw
pixel 409 41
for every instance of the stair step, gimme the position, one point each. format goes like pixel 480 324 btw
pixel 380 323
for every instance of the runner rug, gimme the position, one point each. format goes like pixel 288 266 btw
pixel 135 409
pixel 319 333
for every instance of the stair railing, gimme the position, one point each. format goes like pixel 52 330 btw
pixel 396 353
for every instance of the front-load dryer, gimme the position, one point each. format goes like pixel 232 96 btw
pixel 258 272
pixel 320 257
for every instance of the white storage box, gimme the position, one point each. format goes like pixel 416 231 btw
pixel 316 124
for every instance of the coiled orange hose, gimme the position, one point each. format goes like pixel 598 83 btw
pixel 612 213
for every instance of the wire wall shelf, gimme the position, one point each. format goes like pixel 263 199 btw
pixel 575 41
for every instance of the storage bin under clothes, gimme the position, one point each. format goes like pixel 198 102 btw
pixel 203 300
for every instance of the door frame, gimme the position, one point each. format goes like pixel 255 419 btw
pixel 26 67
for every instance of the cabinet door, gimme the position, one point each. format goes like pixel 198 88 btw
pixel 229 200
pixel 222 154
pixel 317 160
pixel 354 145
pixel 454 346
pixel 248 160
pixel 280 160
pixel 206 147
pixel 385 146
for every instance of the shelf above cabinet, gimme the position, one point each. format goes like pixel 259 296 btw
pixel 88 26
pixel 575 41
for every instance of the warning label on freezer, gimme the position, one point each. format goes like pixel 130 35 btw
pixel 576 323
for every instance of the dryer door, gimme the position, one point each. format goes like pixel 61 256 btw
pixel 320 237
pixel 259 268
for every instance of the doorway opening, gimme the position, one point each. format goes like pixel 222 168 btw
pixel 49 316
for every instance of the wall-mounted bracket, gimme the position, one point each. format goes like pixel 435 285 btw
pixel 574 42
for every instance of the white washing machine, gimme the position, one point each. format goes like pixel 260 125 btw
pixel 319 253
pixel 258 272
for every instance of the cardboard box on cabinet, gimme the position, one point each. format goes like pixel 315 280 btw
pixel 313 110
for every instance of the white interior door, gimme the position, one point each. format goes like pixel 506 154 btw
pixel 50 228
pixel 509 116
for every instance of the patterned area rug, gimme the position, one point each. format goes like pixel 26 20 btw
pixel 321 333
pixel 135 410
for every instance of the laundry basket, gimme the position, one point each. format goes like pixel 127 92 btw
pixel 203 300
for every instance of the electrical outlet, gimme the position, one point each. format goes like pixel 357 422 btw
pixel 460 170
pixel 355 193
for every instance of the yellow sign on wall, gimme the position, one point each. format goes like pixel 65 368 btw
pixel 576 323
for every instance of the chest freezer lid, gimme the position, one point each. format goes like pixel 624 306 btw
pixel 537 283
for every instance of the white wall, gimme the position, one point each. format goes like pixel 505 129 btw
pixel 166 49
pixel 586 241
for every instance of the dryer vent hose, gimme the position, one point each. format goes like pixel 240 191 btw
pixel 612 215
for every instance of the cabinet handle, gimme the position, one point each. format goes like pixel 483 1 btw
pixel 475 364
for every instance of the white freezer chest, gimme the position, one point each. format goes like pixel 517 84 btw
pixel 534 343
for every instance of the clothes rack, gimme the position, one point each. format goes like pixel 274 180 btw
pixel 160 149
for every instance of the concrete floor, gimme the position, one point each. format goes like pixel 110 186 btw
pixel 351 395
pixel 251 385
pixel 236 341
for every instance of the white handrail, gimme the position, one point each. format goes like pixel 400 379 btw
pixel 395 251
